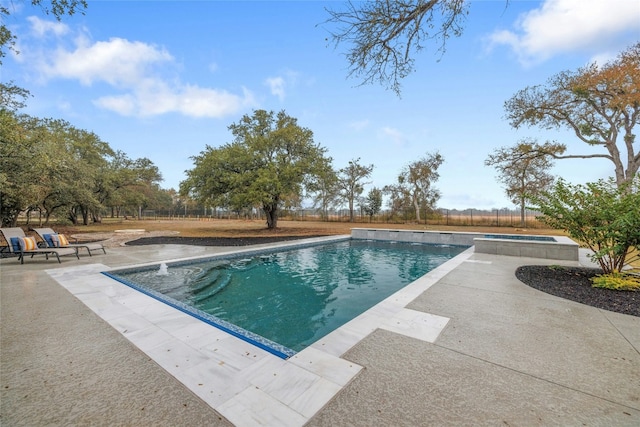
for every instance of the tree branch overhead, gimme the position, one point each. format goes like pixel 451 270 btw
pixel 383 35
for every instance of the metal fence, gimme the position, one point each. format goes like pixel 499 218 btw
pixel 451 217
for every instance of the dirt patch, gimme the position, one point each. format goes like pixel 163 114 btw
pixel 112 239
pixel 257 228
pixel 211 241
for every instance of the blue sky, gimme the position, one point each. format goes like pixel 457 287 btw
pixel 163 79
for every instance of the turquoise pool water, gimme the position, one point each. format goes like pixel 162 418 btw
pixel 520 237
pixel 294 297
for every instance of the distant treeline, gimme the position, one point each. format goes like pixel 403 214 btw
pixel 454 217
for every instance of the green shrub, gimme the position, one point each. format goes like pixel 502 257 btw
pixel 603 216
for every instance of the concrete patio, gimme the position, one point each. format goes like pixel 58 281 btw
pixel 508 355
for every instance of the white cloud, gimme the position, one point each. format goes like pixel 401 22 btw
pixel 395 135
pixel 124 105
pixel 40 27
pixel 118 62
pixel 604 57
pixel 359 125
pixel 276 85
pixel 156 98
pixel 39 30
pixel 134 68
pixel 561 26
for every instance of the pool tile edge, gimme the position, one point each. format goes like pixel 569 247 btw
pixel 246 403
pixel 242 404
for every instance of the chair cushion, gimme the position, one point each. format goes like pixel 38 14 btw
pixel 15 244
pixel 28 244
pixel 62 240
pixel 51 240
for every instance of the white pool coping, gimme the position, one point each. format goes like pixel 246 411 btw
pixel 247 385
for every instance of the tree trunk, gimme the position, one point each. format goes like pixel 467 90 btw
pixel 416 205
pixel 73 216
pixel 351 210
pixel 28 216
pixel 271 212
pixel 85 216
pixel 522 210
pixel 272 218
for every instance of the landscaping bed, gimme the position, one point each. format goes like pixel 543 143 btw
pixel 573 283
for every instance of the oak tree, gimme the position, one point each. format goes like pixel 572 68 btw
pixel 350 182
pixel 51 167
pixel 270 158
pixel 128 185
pixel 373 202
pixel 18 171
pixel 415 184
pixel 599 104
pixel 524 171
pixel 323 188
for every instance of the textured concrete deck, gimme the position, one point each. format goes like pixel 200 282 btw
pixel 509 355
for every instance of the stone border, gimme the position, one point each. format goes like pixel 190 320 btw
pixel 563 248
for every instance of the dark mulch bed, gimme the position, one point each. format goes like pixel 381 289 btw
pixel 573 283
pixel 212 241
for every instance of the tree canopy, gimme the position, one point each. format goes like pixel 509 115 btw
pixel 323 187
pixel 523 174
pixel 385 34
pixel 51 167
pixel 599 104
pixel 414 186
pixel 270 159
pixel 350 183
pixel 373 202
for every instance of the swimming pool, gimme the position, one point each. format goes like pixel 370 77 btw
pixel 520 237
pixel 284 301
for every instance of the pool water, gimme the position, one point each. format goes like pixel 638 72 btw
pixel 520 237
pixel 292 297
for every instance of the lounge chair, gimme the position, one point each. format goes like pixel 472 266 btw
pixel 52 240
pixel 18 243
